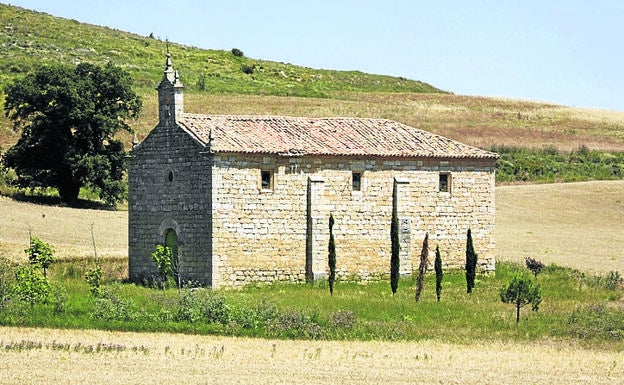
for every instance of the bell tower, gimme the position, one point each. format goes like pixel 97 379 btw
pixel 170 95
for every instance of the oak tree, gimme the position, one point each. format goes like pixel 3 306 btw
pixel 68 116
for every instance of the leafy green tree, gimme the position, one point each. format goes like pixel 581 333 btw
pixel 394 256
pixel 166 264
pixel 30 285
pixel 422 268
pixel 68 117
pixel 471 263
pixel 40 253
pixel 439 274
pixel 93 277
pixel 331 255
pixel 520 292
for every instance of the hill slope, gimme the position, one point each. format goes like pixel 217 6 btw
pixel 29 38
pixel 220 82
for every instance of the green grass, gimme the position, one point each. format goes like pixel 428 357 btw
pixel 549 165
pixel 576 308
pixel 31 38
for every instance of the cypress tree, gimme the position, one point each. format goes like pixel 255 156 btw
pixel 332 256
pixel 438 271
pixel 471 264
pixel 422 268
pixel 394 257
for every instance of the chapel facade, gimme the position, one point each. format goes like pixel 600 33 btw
pixel 243 199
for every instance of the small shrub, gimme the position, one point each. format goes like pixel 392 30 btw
pixel 94 280
pixel 164 315
pixel 201 82
pixel 295 324
pixel 7 179
pixel 248 68
pixel 343 319
pixel 534 265
pixel 237 52
pixel 613 280
pixel 596 321
pixel 59 298
pixel 253 317
pixel 190 306
pixel 167 265
pixel 30 285
pixel 40 253
pixel 203 305
pixel 110 306
pixel 216 310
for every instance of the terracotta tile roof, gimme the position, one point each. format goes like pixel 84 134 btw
pixel 322 136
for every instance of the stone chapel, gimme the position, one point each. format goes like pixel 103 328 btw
pixel 243 199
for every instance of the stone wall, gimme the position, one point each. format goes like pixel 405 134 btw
pixel 282 233
pixel 169 187
pixel 232 231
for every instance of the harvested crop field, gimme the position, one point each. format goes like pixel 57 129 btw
pixel 44 356
pixel 68 230
pixel 578 225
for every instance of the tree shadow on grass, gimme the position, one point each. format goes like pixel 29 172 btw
pixel 55 200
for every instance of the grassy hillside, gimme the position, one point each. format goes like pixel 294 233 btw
pixel 28 38
pixel 31 38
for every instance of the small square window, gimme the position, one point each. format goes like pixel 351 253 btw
pixel 266 182
pixel 445 182
pixel 356 180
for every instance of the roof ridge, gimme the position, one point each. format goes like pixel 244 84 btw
pixel 267 116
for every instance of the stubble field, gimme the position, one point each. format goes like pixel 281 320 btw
pixel 99 357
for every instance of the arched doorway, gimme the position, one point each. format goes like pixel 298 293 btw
pixel 171 241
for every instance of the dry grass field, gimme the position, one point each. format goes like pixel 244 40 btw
pixel 45 356
pixel 67 229
pixel 478 121
pixel 573 224
pixel 579 225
